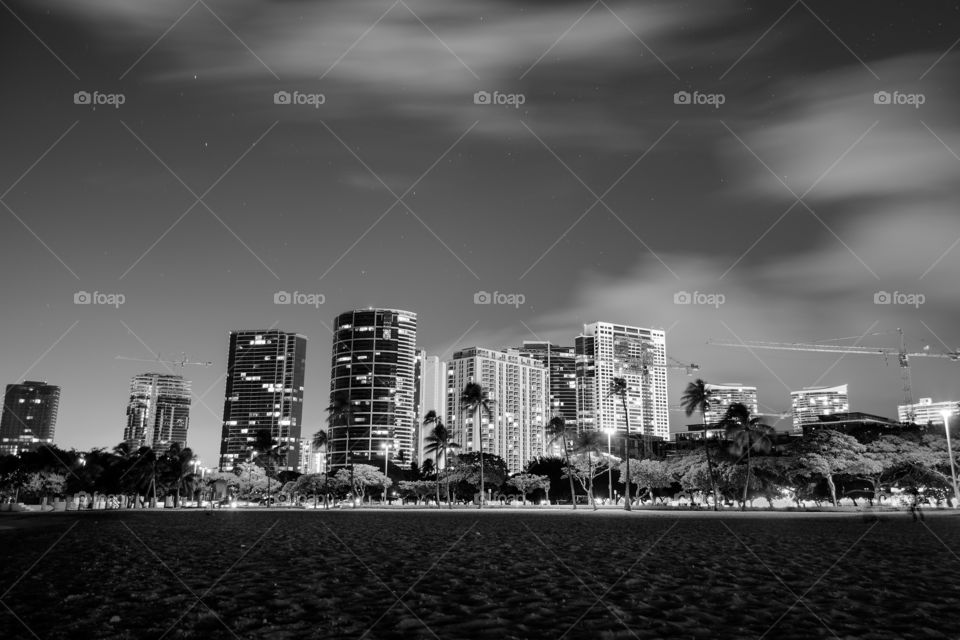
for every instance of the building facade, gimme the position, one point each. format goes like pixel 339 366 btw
pixel 724 395
pixel 517 388
pixel 812 402
pixel 926 411
pixel 311 460
pixel 431 395
pixel 265 377
pixel 605 351
pixel 373 368
pixel 29 416
pixel 561 365
pixel 158 413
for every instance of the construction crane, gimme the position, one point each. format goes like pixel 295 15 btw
pixel 182 362
pixel 901 354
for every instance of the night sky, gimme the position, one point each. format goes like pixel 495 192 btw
pixel 598 198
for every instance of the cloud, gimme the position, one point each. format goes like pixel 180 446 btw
pixel 822 119
pixel 421 60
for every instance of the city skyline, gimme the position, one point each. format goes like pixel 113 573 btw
pixel 778 418
pixel 779 214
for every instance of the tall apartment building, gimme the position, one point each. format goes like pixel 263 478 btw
pixel 265 375
pixel 605 351
pixel 812 402
pixel 926 411
pixel 561 365
pixel 724 395
pixel 29 416
pixel 311 460
pixel 158 413
pixel 517 388
pixel 374 361
pixel 430 395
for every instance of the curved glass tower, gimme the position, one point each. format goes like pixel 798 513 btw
pixel 374 356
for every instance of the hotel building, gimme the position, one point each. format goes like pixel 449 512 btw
pixel 158 413
pixel 517 388
pixel 724 395
pixel 812 402
pixel 605 351
pixel 265 375
pixel 926 411
pixel 374 360
pixel 430 395
pixel 561 365
pixel 29 416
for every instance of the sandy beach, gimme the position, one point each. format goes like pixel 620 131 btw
pixel 462 574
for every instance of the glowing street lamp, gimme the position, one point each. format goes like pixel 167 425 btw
pixel 953 471
pixel 609 431
pixel 386 456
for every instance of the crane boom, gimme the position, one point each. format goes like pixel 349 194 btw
pixel 903 357
pixel 182 362
pixel 830 348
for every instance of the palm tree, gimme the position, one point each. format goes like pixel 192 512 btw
pixel 619 388
pixel 474 399
pixel 146 478
pixel 319 443
pixel 178 467
pixel 697 397
pixel 557 430
pixel 438 443
pixel 747 433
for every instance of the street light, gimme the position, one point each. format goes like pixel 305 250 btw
pixel 386 456
pixel 610 464
pixel 946 413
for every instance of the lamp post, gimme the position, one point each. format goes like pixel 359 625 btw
pixel 610 465
pixel 386 457
pixel 953 471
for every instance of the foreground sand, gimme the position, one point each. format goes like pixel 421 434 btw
pixel 460 574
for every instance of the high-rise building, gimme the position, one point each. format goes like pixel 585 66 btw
pixel 561 365
pixel 605 351
pixel 265 374
pixel 430 395
pixel 724 395
pixel 374 360
pixel 517 388
pixel 311 460
pixel 926 411
pixel 158 413
pixel 29 416
pixel 812 402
